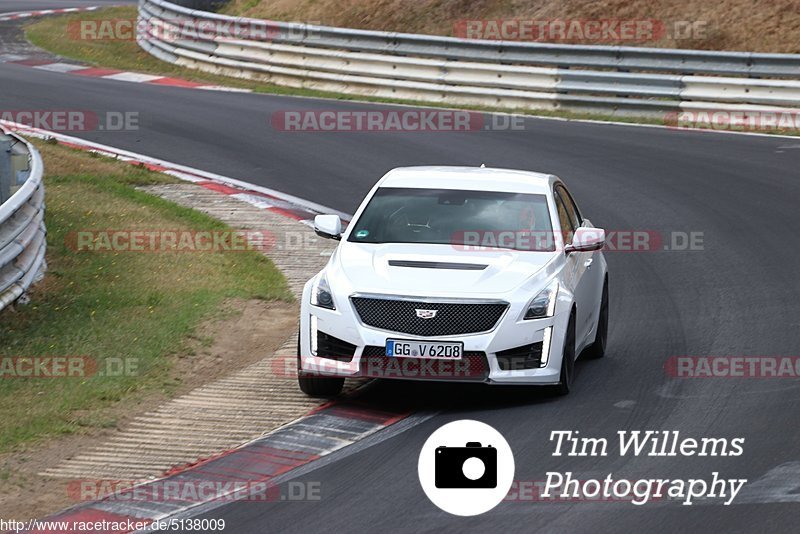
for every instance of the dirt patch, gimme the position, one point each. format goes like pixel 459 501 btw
pixel 249 331
pixel 244 332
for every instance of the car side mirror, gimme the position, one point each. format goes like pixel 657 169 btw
pixel 328 226
pixel 586 239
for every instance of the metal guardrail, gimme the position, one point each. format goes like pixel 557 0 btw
pixel 22 230
pixel 474 72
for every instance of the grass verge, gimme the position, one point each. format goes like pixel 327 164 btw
pixel 107 306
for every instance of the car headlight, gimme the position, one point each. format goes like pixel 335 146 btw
pixel 321 295
pixel 544 304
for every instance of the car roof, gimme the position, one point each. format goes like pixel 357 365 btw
pixel 469 178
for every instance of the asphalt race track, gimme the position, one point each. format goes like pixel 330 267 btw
pixel 10 6
pixel 740 295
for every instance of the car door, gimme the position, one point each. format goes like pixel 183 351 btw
pixel 580 265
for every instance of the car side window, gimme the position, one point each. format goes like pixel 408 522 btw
pixel 572 209
pixel 567 229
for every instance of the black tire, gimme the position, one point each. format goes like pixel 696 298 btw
pixel 317 386
pixel 320 386
pixel 568 360
pixel 598 349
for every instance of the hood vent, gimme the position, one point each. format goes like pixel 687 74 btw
pixel 437 265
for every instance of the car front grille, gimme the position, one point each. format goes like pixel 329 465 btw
pixel 472 367
pixel 449 319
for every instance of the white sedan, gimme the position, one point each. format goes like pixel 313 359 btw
pixel 456 274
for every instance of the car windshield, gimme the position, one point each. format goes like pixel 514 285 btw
pixel 467 219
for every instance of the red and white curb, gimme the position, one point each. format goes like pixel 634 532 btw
pixel 253 471
pixel 112 74
pixel 16 15
pixel 94 72
pixel 262 197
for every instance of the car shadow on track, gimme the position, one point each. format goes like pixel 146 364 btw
pixel 420 395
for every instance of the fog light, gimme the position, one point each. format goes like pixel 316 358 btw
pixel 548 332
pixel 313 340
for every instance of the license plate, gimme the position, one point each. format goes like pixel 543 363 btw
pixel 435 350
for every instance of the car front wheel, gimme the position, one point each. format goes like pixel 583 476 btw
pixel 320 386
pixel 598 348
pixel 317 386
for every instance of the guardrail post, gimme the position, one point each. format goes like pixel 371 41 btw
pixel 6 173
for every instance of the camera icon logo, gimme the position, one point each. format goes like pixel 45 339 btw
pixel 472 466
pixel 466 467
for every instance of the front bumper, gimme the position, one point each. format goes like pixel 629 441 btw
pixel 480 362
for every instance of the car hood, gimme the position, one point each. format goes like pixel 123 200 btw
pixel 435 270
